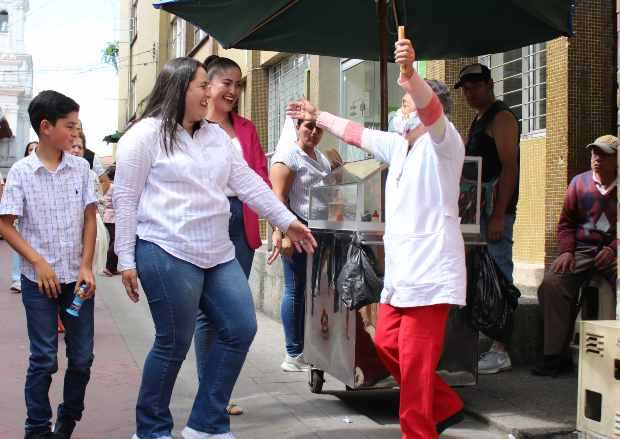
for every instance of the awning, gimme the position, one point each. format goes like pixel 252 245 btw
pixel 440 29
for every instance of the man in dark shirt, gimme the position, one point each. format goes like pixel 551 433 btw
pixel 494 135
pixel 588 246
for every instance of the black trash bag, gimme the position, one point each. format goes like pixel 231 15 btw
pixel 491 299
pixel 358 283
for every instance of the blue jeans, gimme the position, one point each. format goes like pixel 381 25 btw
pixel 176 290
pixel 236 230
pixel 292 309
pixel 500 251
pixel 16 266
pixel 41 318
pixel 205 334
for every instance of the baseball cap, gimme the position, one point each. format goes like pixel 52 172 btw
pixel 473 72
pixel 607 143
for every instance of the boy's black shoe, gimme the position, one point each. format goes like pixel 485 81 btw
pixel 40 435
pixel 450 421
pixel 552 366
pixel 64 428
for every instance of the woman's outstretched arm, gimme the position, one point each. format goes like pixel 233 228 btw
pixel 378 143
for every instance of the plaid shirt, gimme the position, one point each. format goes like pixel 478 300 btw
pixel 50 206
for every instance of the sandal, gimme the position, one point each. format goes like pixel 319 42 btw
pixel 234 410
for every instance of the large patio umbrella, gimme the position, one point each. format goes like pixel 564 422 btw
pixel 366 29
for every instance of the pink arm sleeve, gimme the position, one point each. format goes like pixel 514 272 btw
pixel 380 144
pixel 347 130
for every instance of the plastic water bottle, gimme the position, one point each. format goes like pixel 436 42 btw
pixel 76 305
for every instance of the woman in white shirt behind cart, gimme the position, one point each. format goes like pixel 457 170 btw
pixel 424 249
pixel 172 232
pixel 297 165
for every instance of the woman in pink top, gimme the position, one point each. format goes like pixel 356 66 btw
pixel 224 88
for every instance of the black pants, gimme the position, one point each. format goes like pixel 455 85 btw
pixel 558 295
pixel 112 259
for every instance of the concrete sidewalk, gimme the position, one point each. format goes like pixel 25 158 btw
pixel 110 398
pixel 524 405
pixel 277 404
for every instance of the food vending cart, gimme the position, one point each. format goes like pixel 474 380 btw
pixel 348 205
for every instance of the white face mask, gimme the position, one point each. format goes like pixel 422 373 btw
pixel 411 123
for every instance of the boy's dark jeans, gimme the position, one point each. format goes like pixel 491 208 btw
pixel 41 316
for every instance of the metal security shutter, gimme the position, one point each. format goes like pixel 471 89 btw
pixel 286 83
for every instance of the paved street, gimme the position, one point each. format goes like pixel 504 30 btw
pixel 277 404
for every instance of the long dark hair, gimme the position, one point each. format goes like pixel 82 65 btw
pixel 167 99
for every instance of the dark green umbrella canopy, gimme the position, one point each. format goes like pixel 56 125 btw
pixel 440 29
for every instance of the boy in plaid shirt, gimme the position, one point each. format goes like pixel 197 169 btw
pixel 53 196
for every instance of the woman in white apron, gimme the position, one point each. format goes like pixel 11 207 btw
pixel 424 249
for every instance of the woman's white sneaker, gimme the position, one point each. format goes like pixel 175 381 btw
pixel 190 433
pixel 294 364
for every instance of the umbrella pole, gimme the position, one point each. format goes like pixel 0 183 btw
pixel 383 60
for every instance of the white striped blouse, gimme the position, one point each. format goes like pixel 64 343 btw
pixel 177 201
pixel 308 172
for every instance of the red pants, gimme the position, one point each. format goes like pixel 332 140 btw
pixel 410 343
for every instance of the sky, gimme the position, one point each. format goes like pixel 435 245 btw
pixel 66 39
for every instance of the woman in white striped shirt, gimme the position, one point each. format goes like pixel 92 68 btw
pixel 172 231
pixel 297 166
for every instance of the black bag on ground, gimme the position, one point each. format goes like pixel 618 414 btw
pixel 358 283
pixel 491 299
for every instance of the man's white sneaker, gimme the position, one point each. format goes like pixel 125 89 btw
pixel 16 287
pixel 493 362
pixel 190 433
pixel 294 364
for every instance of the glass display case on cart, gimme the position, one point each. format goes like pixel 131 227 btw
pixel 350 203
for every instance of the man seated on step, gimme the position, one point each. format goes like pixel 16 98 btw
pixel 588 247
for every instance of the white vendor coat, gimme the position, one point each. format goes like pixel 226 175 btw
pixel 424 248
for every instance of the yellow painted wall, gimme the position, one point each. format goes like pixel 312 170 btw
pixel 267 58
pixel 123 68
pixel 241 57
pixel 529 230
pixel 209 48
pixel 143 57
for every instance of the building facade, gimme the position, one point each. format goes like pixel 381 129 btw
pixel 563 91
pixel 15 82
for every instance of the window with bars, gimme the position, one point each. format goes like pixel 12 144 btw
pixel 176 38
pixel 133 21
pixel 199 34
pixel 286 83
pixel 360 98
pixel 132 97
pixel 520 80
pixel 4 21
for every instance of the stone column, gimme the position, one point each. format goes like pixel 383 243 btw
pixel 16 27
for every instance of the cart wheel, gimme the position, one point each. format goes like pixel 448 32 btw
pixel 316 380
